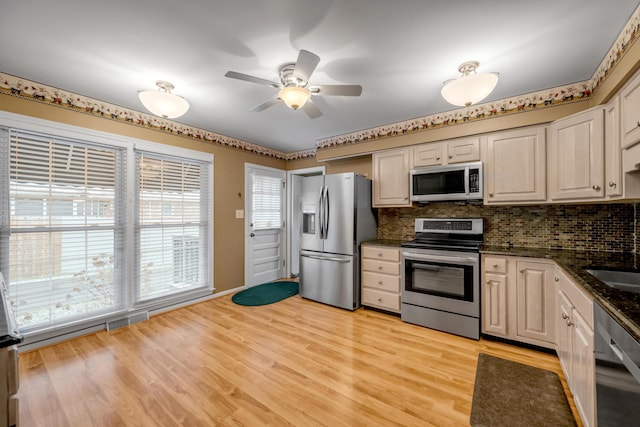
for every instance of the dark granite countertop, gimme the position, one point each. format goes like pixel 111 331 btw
pixel 623 306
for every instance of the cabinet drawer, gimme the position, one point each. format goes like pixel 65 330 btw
pixel 385 267
pixel 495 265
pixel 381 281
pixel 377 252
pixel 580 300
pixel 381 299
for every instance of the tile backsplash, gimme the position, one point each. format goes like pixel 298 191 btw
pixel 594 227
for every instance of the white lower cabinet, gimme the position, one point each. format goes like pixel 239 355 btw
pixel 381 277
pixel 518 299
pixel 534 301
pixel 575 345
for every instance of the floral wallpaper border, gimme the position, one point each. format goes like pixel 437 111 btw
pixel 577 92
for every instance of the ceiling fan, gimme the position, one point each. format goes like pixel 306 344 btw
pixel 295 90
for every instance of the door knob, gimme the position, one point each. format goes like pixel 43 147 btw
pixel 251 235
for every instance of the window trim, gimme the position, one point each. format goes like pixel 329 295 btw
pixel 62 130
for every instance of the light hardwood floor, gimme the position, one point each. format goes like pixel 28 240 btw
pixel 296 362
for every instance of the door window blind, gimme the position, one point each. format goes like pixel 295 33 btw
pixel 267 201
pixel 172 225
pixel 64 228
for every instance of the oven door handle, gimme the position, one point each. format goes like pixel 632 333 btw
pixel 426 267
pixel 423 257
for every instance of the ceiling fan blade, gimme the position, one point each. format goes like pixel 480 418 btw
pixel 336 90
pixel 252 79
pixel 306 63
pixel 311 109
pixel 265 105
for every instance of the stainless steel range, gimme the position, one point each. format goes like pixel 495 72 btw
pixel 441 275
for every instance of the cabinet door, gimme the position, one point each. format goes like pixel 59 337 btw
pixel 428 154
pixel 612 149
pixel 535 301
pixel 391 178
pixel 576 153
pixel 583 369
pixel 564 334
pixel 494 304
pixel 515 166
pixel 630 112
pixel 463 150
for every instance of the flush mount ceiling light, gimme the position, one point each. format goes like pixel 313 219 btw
pixel 471 88
pixel 162 102
pixel 294 96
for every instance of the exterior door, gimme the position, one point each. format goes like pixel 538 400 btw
pixel 264 224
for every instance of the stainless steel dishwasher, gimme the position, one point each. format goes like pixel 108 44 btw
pixel 617 356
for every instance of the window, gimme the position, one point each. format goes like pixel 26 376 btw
pixel 98 225
pixel 171 226
pixel 62 267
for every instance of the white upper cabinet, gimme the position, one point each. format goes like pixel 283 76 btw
pixel 391 178
pixel 630 112
pixel 515 166
pixel 447 152
pixel 576 156
pixel 612 150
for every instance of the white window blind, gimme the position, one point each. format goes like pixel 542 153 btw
pixel 267 201
pixel 172 226
pixel 61 256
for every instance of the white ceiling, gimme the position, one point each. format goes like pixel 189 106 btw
pixel 399 51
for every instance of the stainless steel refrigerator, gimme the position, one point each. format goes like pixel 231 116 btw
pixel 336 216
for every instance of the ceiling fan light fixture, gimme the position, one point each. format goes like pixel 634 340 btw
pixel 162 102
pixel 471 87
pixel 294 96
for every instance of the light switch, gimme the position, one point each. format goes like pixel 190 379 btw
pixel 239 213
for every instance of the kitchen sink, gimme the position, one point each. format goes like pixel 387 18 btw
pixel 624 280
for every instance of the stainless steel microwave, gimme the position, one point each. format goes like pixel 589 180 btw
pixel 461 181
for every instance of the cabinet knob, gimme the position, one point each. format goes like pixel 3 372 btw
pixel 612 184
pixel 639 124
pixel 522 270
pixel 488 282
pixel 406 198
pixel 450 156
pixel 495 265
pixel 557 279
pixel 565 316
pixel 596 187
pixel 379 299
pixel 437 157
pixel 490 194
pixel 379 253
pixel 569 322
pixel 379 267
pixel 380 282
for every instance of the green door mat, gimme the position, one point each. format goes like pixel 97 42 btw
pixel 267 293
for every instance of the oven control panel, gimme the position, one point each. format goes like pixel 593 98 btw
pixel 459 226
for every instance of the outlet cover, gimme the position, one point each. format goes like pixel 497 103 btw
pixel 239 213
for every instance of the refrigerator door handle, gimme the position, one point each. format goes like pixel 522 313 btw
pixel 326 211
pixel 321 212
pixel 342 260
